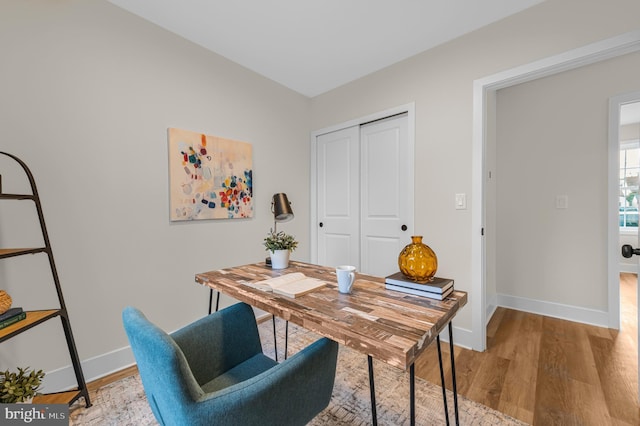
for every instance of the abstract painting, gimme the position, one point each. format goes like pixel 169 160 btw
pixel 210 177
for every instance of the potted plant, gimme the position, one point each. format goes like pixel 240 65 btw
pixel 21 386
pixel 280 245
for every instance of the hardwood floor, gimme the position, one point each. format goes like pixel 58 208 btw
pixel 114 377
pixel 542 370
pixel 547 371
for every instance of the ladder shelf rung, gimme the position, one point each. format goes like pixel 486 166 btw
pixel 33 318
pixel 11 252
pixel 17 197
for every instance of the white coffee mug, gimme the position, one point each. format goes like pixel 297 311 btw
pixel 346 275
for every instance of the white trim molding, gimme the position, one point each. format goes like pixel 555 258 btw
pixel 94 368
pixel 586 55
pixel 629 269
pixel 555 310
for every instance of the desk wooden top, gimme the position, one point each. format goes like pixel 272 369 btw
pixel 390 326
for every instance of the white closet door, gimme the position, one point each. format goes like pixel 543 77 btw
pixel 338 214
pixel 386 191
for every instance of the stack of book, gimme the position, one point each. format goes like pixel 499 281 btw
pixel 437 288
pixel 12 316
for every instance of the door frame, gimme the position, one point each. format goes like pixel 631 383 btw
pixel 482 88
pixel 613 183
pixel 313 190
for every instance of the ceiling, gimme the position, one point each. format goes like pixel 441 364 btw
pixel 313 46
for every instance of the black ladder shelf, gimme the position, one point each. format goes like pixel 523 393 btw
pixel 35 318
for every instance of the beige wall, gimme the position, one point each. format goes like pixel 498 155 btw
pixel 88 92
pixel 440 81
pixel 552 140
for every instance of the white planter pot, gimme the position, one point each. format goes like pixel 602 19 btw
pixel 279 259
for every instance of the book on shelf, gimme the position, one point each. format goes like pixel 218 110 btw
pixel 12 320
pixel 11 312
pixel 436 285
pixel 429 294
pixel 290 285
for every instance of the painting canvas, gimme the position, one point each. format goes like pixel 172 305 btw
pixel 210 177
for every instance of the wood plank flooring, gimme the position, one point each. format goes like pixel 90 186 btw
pixel 542 370
pixel 547 371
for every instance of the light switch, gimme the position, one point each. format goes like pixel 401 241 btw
pixel 461 201
pixel 562 201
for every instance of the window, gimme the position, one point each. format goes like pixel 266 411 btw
pixel 629 183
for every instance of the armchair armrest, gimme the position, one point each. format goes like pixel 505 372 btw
pixel 206 342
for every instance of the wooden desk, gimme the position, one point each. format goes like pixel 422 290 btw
pixel 390 326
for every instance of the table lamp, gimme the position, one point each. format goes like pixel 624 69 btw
pixel 281 209
pixel 282 212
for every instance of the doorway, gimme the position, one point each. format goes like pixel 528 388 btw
pixel 628 139
pixel 483 90
pixel 624 138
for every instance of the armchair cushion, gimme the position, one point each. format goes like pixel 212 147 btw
pixel 241 372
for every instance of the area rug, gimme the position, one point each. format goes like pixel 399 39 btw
pixel 123 402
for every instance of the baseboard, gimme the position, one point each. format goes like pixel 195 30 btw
pixel 492 305
pixel 628 268
pixel 555 310
pixel 93 368
pixel 461 337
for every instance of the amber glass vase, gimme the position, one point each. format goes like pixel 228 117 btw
pixel 417 261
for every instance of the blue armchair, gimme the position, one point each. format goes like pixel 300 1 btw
pixel 213 371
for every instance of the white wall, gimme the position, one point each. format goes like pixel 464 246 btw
pixel 87 94
pixel 552 140
pixel 440 81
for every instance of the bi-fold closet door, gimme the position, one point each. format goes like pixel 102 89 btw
pixel 365 195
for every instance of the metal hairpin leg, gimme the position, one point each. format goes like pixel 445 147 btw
pixel 286 339
pixel 211 300
pixel 412 393
pixel 372 389
pixel 453 374
pixel 444 389
pixel 275 341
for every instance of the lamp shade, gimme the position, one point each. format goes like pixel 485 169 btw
pixel 281 208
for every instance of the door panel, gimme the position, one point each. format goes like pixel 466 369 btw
pixel 338 198
pixel 364 195
pixel 385 187
pixel 338 250
pixel 383 255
